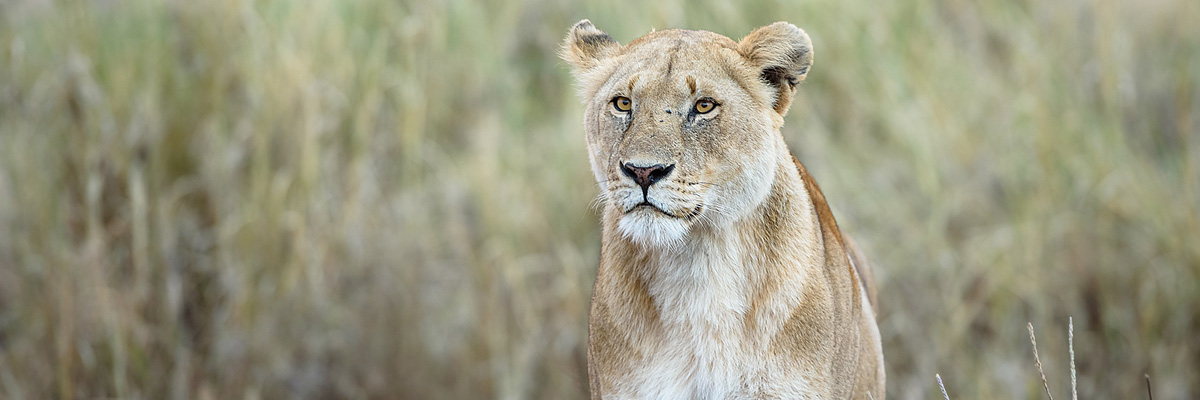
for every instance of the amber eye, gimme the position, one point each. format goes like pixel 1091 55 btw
pixel 623 104
pixel 704 106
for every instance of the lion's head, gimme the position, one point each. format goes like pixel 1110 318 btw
pixel 683 126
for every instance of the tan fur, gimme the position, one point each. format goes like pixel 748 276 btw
pixel 728 278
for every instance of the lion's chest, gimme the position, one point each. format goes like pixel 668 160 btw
pixel 707 365
pixel 691 365
pixel 704 346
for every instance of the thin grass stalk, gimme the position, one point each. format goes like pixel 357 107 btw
pixel 1071 348
pixel 943 387
pixel 1037 361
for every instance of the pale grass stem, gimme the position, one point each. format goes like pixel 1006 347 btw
pixel 1037 361
pixel 1149 393
pixel 1071 348
pixel 943 387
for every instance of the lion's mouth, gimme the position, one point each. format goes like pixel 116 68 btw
pixel 651 205
pixel 690 215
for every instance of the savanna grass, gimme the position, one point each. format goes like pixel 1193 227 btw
pixel 379 199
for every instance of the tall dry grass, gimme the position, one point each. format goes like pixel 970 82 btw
pixel 378 199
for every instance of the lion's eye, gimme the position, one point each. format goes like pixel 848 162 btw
pixel 705 105
pixel 622 104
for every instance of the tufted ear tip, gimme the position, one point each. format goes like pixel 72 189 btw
pixel 583 24
pixel 783 54
pixel 585 46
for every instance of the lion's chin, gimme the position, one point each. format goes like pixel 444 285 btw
pixel 652 228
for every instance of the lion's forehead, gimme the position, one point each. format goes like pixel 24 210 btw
pixel 677 63
pixel 666 76
pixel 670 55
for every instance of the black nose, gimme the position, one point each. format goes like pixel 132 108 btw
pixel 646 176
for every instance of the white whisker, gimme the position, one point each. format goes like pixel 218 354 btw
pixel 597 204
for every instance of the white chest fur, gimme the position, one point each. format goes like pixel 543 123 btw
pixel 706 349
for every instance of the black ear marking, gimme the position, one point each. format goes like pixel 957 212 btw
pixel 776 76
pixel 800 58
pixel 596 40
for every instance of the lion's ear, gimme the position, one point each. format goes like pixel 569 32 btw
pixel 782 53
pixel 585 46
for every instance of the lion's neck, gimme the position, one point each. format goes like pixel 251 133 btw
pixel 729 277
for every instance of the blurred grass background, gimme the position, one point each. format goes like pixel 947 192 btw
pixel 390 199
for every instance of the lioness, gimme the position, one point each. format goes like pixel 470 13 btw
pixel 722 271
